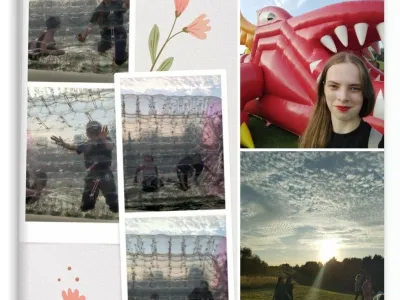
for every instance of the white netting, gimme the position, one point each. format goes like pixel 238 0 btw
pixel 173 266
pixel 170 128
pixel 65 112
pixel 79 57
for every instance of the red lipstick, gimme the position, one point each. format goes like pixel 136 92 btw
pixel 343 108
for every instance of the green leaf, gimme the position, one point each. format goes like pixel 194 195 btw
pixel 166 64
pixel 154 37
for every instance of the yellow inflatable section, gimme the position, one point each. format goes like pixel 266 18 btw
pixel 247 31
pixel 245 136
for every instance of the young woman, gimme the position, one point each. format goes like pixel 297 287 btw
pixel 345 96
pixel 45 44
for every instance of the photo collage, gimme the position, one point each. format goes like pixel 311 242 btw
pixel 166 150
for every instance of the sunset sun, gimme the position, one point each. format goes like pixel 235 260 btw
pixel 327 250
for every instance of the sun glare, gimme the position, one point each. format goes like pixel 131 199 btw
pixel 327 250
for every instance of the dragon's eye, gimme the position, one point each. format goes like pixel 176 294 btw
pixel 266 16
pixel 271 16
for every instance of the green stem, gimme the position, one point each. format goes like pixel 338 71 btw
pixel 162 48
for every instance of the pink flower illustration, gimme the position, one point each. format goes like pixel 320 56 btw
pixel 72 295
pixel 198 27
pixel 180 6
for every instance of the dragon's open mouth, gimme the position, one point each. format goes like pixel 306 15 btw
pixel 293 50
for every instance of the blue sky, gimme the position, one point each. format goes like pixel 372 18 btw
pixel 294 7
pixel 291 201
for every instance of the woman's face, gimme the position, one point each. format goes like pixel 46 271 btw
pixel 343 92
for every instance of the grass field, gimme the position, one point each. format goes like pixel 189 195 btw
pixel 271 136
pixel 263 288
pixel 381 65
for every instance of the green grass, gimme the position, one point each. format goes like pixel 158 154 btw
pixel 263 288
pixel 271 136
pixel 381 65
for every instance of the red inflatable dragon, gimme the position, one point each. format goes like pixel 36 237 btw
pixel 278 78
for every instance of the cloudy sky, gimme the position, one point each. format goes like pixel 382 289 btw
pixel 200 85
pixel 294 7
pixel 199 225
pixel 291 201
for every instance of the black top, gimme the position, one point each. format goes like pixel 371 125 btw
pixel 358 138
pixel 281 294
pixel 289 289
pixel 199 294
pixel 96 153
pixel 186 161
pixel 109 15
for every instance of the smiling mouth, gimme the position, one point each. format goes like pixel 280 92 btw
pixel 343 108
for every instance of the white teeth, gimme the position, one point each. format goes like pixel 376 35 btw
pixel 379 106
pixel 341 32
pixel 361 32
pixel 314 64
pixel 328 42
pixel 381 30
pixel 378 78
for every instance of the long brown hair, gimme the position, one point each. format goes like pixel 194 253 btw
pixel 319 127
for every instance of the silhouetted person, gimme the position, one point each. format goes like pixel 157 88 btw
pixel 289 287
pixel 150 180
pixel 367 289
pixel 45 44
pixel 109 15
pixel 34 191
pixel 97 153
pixel 154 296
pixel 189 165
pixel 202 293
pixel 360 278
pixel 280 291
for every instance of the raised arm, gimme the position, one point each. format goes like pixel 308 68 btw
pixel 108 144
pixel 60 142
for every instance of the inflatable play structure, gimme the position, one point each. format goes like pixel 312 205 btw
pixel 287 54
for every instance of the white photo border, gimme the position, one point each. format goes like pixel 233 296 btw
pixel 227 211
pixel 60 232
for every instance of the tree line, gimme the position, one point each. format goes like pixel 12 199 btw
pixel 333 275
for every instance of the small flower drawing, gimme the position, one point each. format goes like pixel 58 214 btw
pixel 180 6
pixel 72 295
pixel 197 28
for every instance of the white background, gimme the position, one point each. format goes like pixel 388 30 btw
pixel 10 124
pixel 96 266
